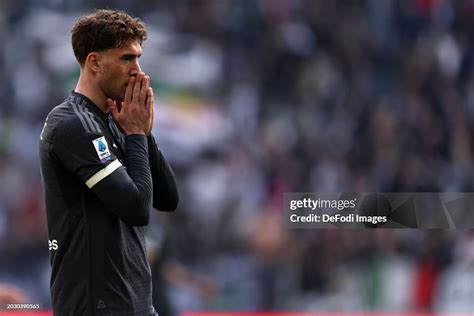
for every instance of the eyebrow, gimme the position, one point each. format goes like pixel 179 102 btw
pixel 131 55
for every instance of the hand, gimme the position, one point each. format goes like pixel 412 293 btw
pixel 136 111
pixel 150 98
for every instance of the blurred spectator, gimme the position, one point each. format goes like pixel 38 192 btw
pixel 10 295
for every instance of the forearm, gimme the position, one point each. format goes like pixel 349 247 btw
pixel 128 192
pixel 165 192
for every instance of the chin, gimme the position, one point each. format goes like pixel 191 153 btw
pixel 118 97
pixel 121 96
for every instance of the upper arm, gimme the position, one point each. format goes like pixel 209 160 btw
pixel 90 158
pixel 87 155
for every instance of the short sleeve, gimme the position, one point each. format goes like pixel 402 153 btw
pixel 87 155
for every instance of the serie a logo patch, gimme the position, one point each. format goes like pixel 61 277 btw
pixel 102 149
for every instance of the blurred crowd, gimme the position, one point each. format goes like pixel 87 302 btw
pixel 256 98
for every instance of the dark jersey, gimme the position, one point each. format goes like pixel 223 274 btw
pixel 99 188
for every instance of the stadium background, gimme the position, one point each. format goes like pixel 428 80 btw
pixel 256 98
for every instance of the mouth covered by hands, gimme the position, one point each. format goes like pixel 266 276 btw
pixel 135 114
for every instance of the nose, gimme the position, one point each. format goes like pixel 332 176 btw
pixel 135 69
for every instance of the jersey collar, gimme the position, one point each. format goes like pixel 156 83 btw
pixel 90 105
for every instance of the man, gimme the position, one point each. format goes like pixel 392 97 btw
pixel 102 172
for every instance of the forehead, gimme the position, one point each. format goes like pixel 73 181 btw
pixel 130 47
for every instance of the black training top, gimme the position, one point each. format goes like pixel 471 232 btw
pixel 99 188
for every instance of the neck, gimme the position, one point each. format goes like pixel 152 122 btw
pixel 87 87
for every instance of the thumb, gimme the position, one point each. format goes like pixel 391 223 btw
pixel 112 108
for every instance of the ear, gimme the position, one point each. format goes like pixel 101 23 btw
pixel 94 61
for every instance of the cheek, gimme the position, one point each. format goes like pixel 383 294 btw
pixel 111 70
pixel 113 77
pixel 110 78
pixel 117 75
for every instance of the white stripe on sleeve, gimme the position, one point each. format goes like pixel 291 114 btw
pixel 103 173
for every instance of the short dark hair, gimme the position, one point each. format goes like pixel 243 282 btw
pixel 105 29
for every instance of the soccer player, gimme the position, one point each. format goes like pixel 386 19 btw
pixel 102 173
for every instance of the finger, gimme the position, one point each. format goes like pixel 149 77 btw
pixel 151 108
pixel 150 128
pixel 112 108
pixel 152 116
pixel 136 88
pixel 152 113
pixel 144 89
pixel 128 91
pixel 149 98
